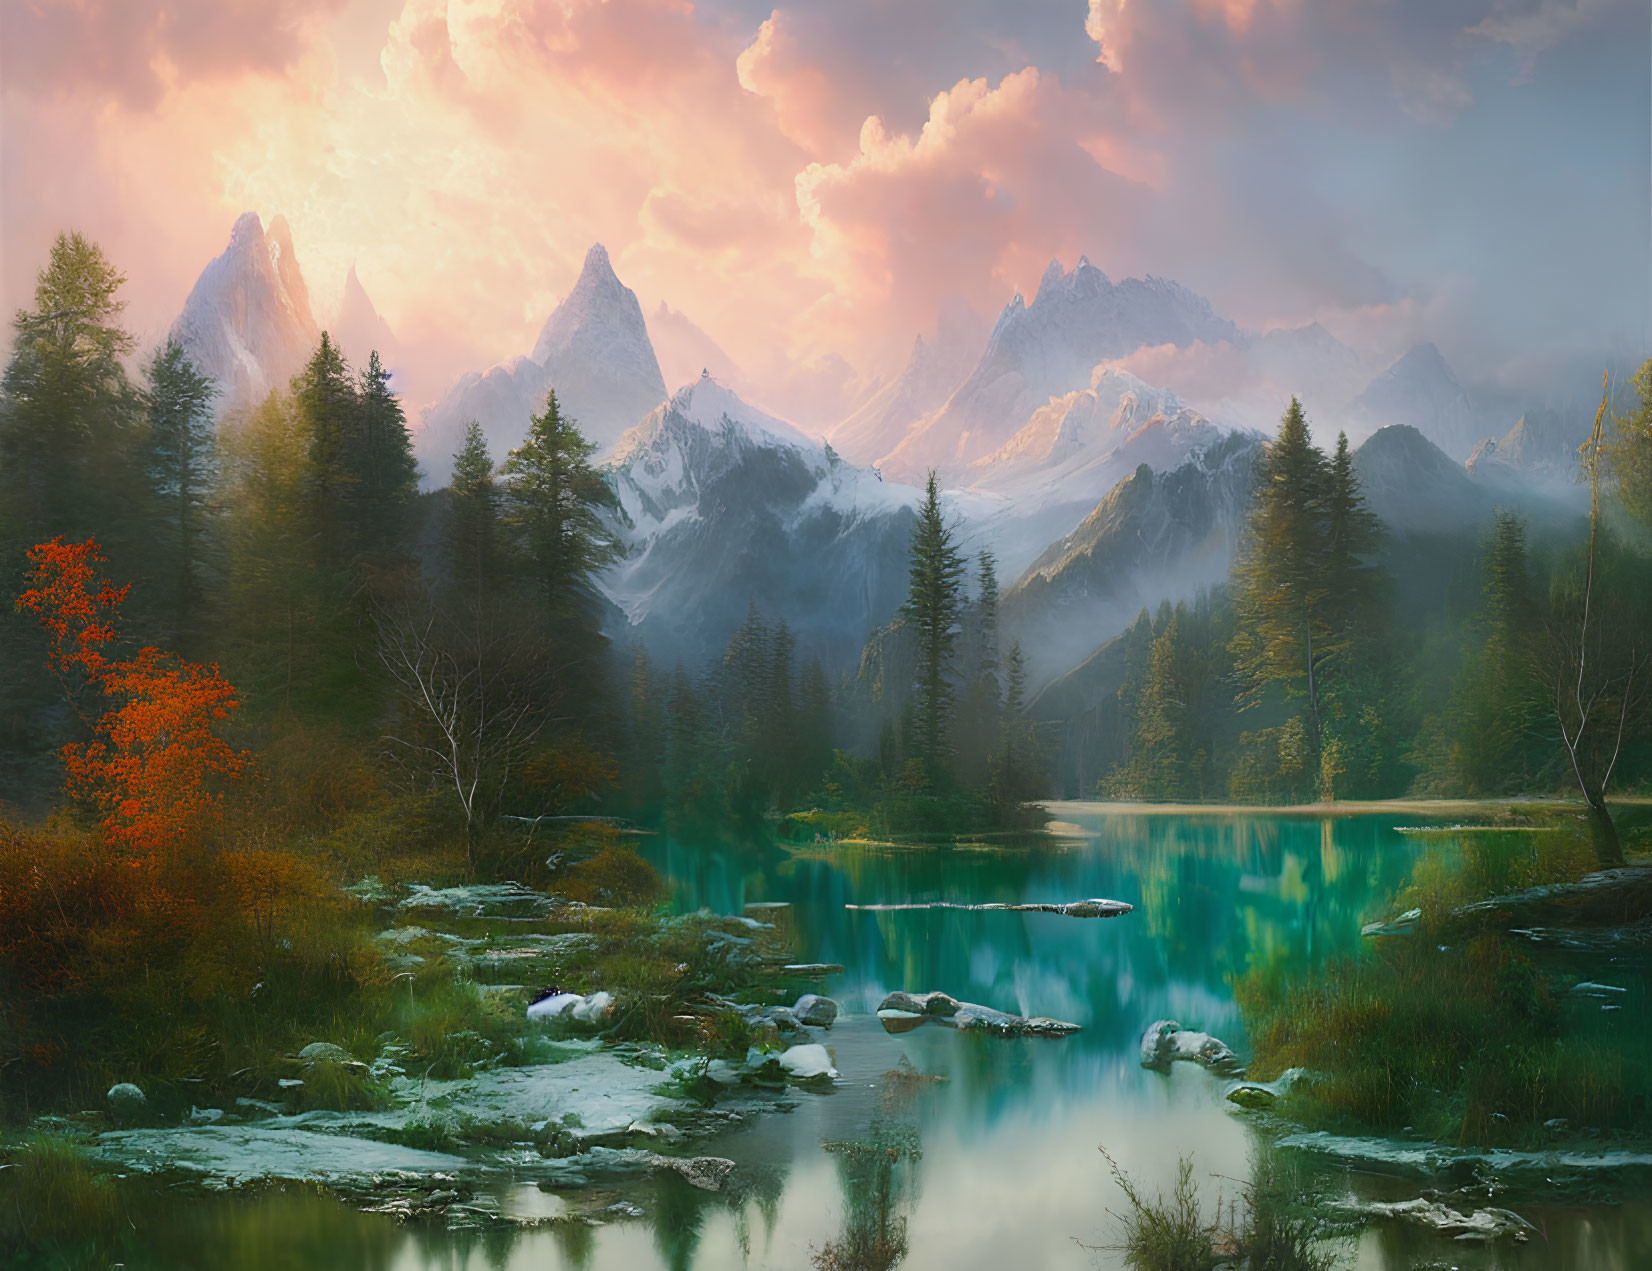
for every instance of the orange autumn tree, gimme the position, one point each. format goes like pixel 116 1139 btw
pixel 156 762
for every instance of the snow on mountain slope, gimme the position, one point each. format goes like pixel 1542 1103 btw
pixel 726 506
pixel 1074 449
pixel 247 322
pixel 593 349
pixel 1047 349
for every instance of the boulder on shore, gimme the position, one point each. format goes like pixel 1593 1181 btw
pixel 575 1006
pixel 1257 1095
pixel 126 1101
pixel 814 1010
pixel 1166 1041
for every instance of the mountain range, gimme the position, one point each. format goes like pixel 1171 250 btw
pixel 1099 491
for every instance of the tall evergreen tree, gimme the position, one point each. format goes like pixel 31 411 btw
pixel 1282 585
pixel 1496 710
pixel 983 696
pixel 934 605
pixel 69 415
pixel 473 526
pixel 554 500
pixel 387 475
pixel 182 446
pixel 1352 535
pixel 326 398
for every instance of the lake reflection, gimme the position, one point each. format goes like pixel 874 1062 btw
pixel 995 1165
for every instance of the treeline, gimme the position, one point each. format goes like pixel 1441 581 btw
pixel 456 634
pixel 1306 677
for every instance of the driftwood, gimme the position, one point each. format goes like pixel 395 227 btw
pixel 1072 909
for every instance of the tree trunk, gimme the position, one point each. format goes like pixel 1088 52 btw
pixel 1603 831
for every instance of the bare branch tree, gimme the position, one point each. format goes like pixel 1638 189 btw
pixel 1597 655
pixel 477 688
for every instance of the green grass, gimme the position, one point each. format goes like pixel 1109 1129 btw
pixel 55 1209
pixel 1462 1038
pixel 1269 1228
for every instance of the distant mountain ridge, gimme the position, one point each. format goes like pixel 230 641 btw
pixel 1048 348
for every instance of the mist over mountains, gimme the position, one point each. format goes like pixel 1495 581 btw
pixel 1098 490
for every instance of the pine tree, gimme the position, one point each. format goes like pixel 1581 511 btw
pixel 814 725
pixel 387 475
pixel 69 416
pixel 1495 710
pixel 554 500
pixel 326 398
pixel 182 447
pixel 935 603
pixel 1353 533
pixel 1158 766
pixel 983 700
pixel 1282 585
pixel 473 511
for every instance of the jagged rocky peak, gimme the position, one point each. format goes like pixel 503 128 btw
pixel 594 350
pixel 597 298
pixel 247 322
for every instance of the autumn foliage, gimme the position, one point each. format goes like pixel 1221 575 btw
pixel 156 764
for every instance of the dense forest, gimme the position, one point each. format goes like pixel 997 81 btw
pixel 247 658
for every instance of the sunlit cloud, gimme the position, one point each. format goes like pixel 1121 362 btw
pixel 812 185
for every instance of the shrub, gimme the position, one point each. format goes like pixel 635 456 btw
pixel 1166 1232
pixel 615 876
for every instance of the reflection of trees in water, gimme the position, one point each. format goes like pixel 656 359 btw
pixel 879 1177
pixel 1216 893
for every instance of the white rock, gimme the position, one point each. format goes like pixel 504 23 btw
pixel 807 1063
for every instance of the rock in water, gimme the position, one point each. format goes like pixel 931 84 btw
pixel 1165 1041
pixel 705 1172
pixel 1481 1225
pixel 814 1010
pixel 807 1063
pixel 127 1102
pixel 920 1003
pixel 902 1011
pixel 1256 1095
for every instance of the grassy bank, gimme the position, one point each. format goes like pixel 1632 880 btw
pixel 1461 1032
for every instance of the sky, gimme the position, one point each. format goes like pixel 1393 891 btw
pixel 812 185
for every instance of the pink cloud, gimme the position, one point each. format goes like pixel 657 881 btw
pixel 134 52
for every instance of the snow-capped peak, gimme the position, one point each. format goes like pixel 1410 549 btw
pixel 712 407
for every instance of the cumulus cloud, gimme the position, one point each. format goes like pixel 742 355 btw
pixel 813 183
pixel 133 52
